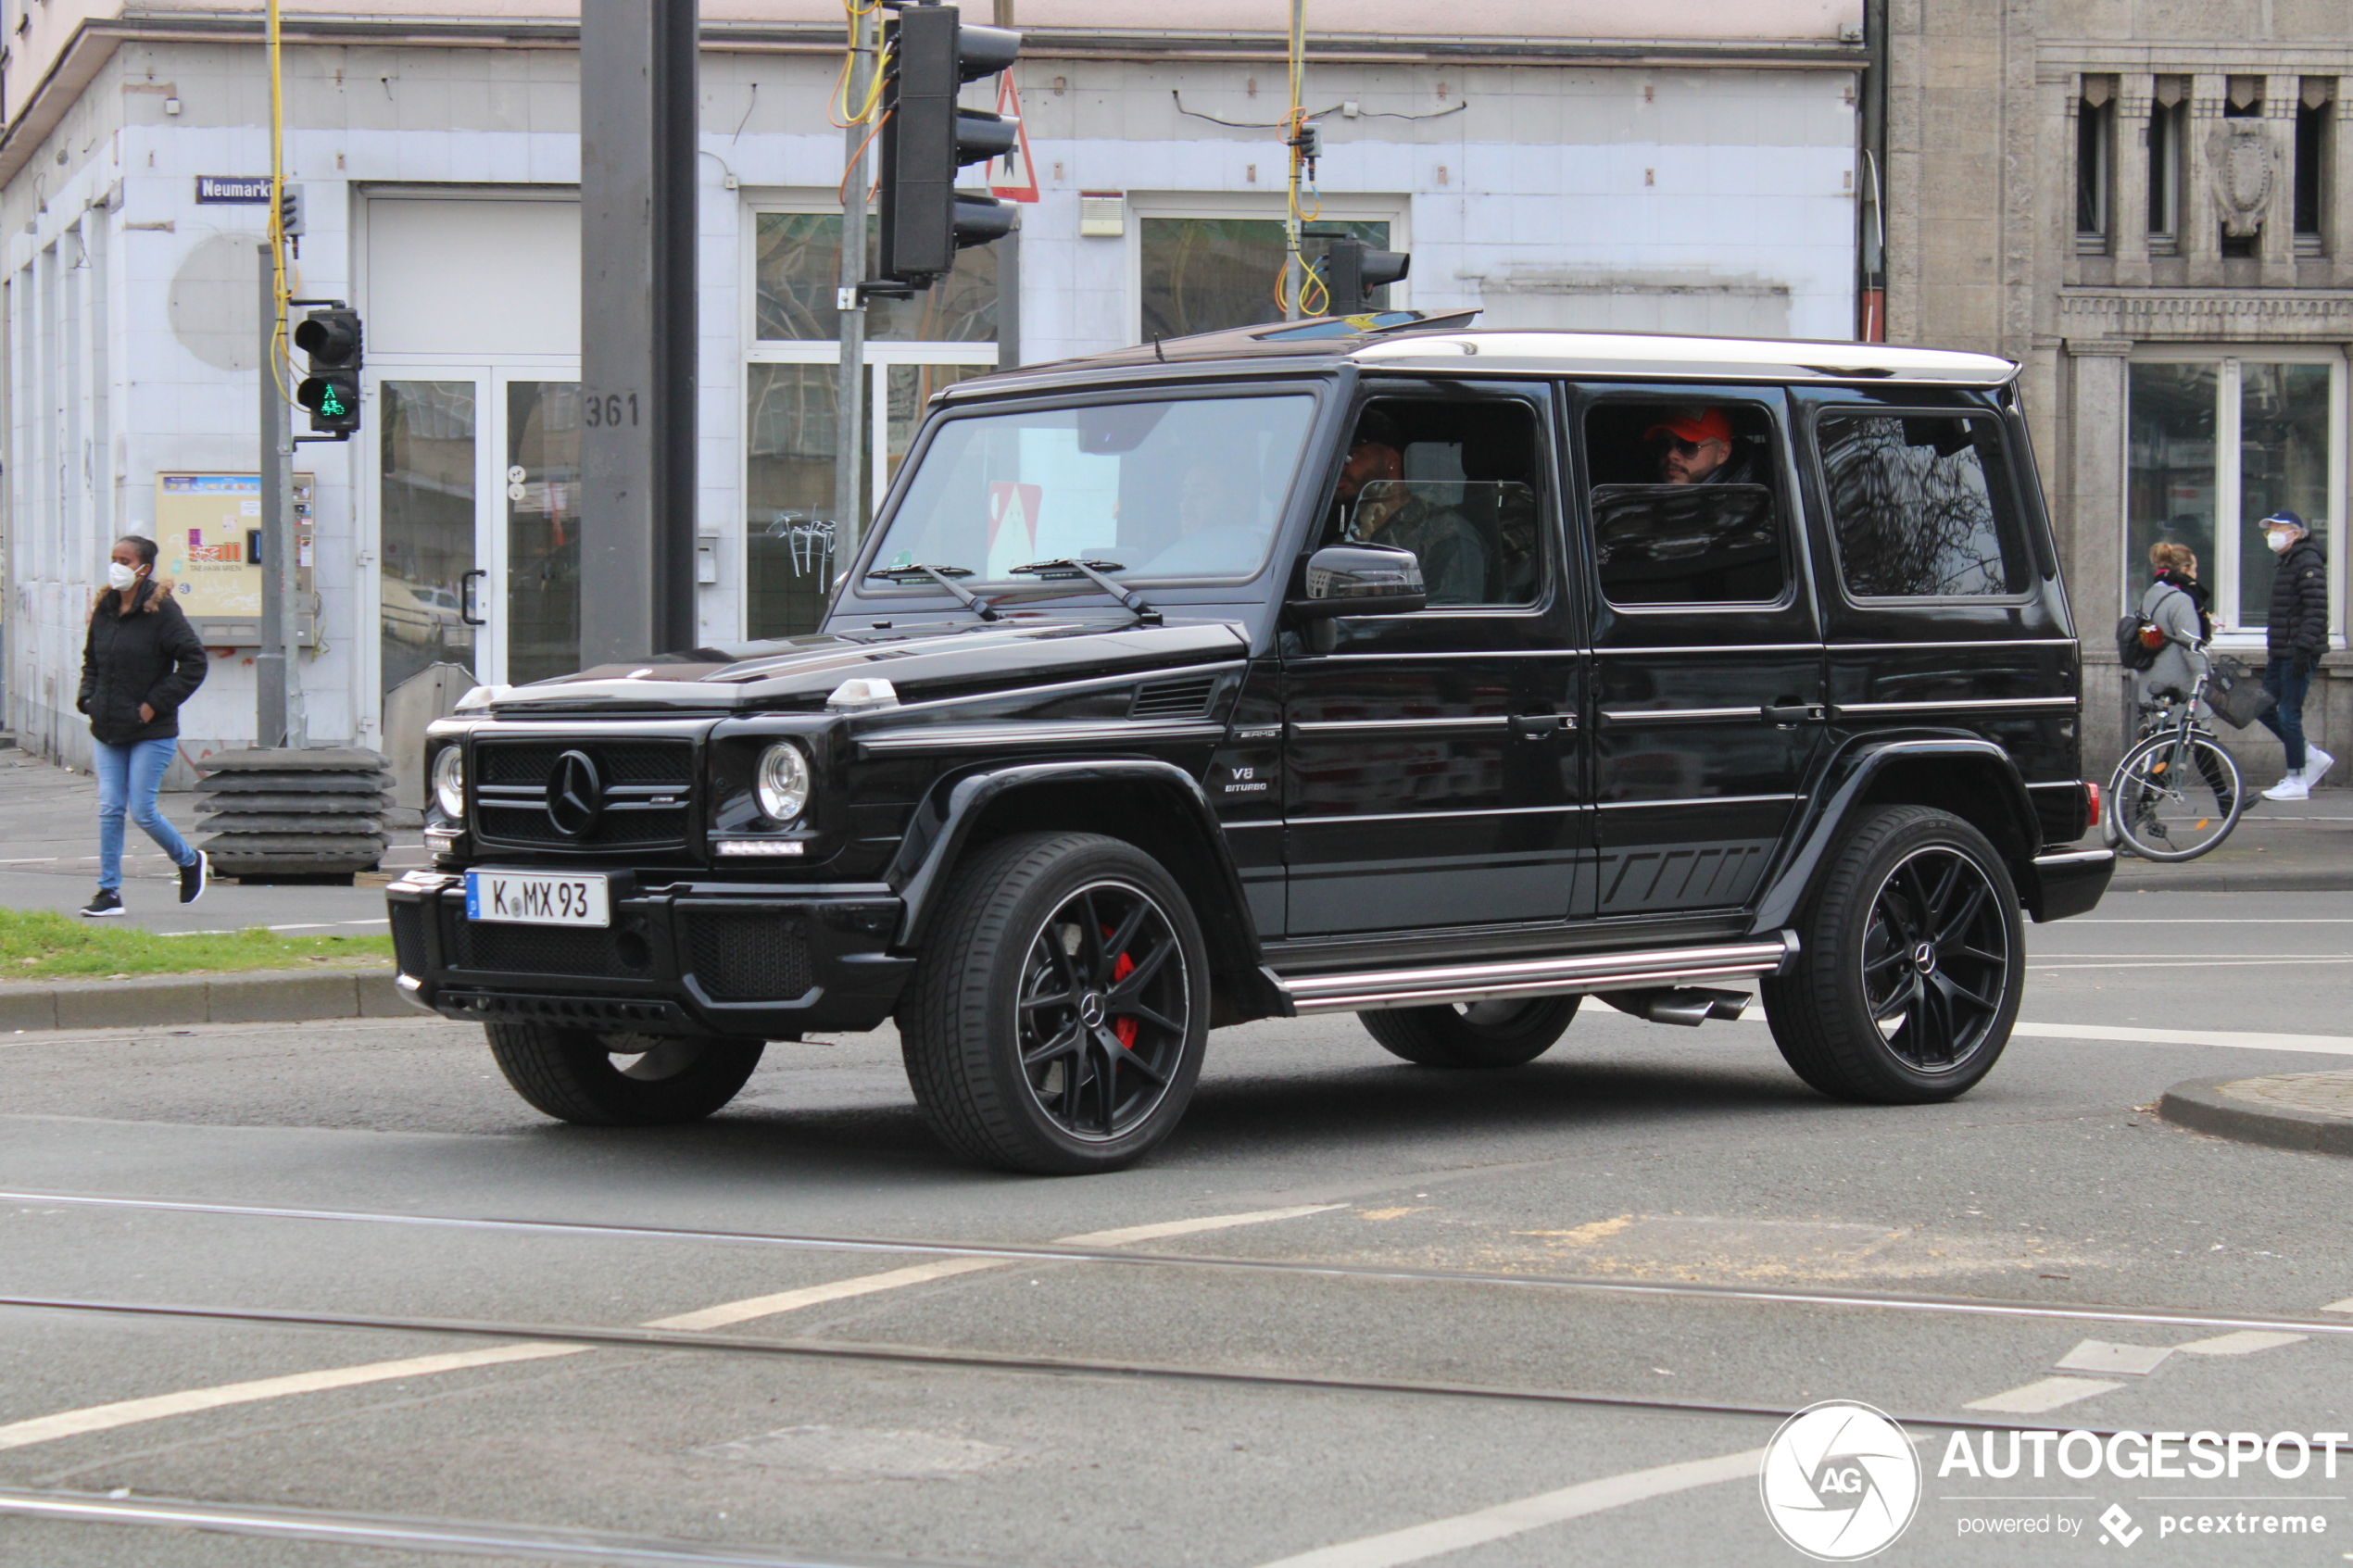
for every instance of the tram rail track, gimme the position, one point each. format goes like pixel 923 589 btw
pixel 2094 1312
pixel 627 1338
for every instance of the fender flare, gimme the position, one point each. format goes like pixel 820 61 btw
pixel 1854 770
pixel 944 819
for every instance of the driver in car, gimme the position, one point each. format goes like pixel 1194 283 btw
pixel 1388 511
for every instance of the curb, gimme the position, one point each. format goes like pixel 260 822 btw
pixel 2201 1105
pixel 2234 879
pixel 168 1001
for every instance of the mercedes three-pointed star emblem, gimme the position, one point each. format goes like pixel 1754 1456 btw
pixel 575 796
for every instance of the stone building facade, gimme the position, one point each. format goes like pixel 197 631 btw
pixel 2150 204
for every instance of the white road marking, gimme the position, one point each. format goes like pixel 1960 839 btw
pixel 1442 1536
pixel 728 1313
pixel 2122 1360
pixel 2246 1342
pixel 2194 963
pixel 2344 1306
pixel 2043 1394
pixel 128 1412
pixel 2322 1045
pixel 2218 920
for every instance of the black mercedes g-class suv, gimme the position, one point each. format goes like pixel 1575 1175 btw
pixel 1440 675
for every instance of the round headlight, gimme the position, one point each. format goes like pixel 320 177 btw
pixel 783 784
pixel 449 781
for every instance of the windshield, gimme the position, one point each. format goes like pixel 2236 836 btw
pixel 1180 488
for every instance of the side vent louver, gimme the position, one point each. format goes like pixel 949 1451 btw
pixel 1186 698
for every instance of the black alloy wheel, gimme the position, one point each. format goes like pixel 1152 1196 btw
pixel 1908 971
pixel 1056 1019
pixel 620 1080
pixel 1934 960
pixel 1102 1011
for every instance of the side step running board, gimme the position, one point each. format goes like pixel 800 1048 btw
pixel 1534 977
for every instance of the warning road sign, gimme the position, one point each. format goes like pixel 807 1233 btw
pixel 1011 174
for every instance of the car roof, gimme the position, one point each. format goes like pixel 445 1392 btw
pixel 1448 345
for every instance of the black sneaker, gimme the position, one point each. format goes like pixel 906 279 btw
pixel 107 902
pixel 193 877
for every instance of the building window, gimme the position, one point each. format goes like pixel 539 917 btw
pixel 2095 144
pixel 794 545
pixel 2215 444
pixel 2312 116
pixel 2167 126
pixel 1212 274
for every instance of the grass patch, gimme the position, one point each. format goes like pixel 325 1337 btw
pixel 39 945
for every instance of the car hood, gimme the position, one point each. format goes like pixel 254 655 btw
pixel 926 662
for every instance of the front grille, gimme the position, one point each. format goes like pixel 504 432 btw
pixel 749 956
pixel 1186 698
pixel 647 789
pixel 409 937
pixel 547 950
pixel 621 762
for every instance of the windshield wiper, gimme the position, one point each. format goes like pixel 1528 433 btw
pixel 946 577
pixel 1093 571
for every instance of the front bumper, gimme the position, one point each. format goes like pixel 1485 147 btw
pixel 736 960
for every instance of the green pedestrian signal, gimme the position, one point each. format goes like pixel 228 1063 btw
pixel 331 392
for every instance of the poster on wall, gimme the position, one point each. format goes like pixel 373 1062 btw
pixel 208 541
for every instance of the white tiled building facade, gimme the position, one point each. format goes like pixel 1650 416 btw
pixel 1549 170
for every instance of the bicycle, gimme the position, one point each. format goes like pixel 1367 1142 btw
pixel 2176 794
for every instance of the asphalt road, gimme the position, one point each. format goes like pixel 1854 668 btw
pixel 1078 1409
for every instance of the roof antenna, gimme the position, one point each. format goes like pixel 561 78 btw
pixel 1157 354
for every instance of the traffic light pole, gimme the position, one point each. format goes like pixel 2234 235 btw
pixel 277 718
pixel 638 339
pixel 849 396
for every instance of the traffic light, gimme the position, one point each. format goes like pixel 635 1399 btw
pixel 1353 270
pixel 926 138
pixel 331 337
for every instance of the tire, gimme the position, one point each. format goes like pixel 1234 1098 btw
pixel 1056 1019
pixel 1910 963
pixel 620 1080
pixel 1497 1034
pixel 2160 817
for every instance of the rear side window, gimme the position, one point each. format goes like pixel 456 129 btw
pixel 1685 506
pixel 1920 507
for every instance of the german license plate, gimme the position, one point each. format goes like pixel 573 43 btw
pixel 537 899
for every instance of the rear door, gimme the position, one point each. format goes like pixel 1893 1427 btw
pixel 1707 694
pixel 1431 761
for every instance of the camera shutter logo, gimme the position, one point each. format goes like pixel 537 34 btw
pixel 1841 1481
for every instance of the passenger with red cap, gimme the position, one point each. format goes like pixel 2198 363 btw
pixel 1695 448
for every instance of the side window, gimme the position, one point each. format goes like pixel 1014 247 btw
pixel 1920 507
pixel 1686 506
pixel 1460 484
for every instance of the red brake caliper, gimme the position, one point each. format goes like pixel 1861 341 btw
pixel 1123 1027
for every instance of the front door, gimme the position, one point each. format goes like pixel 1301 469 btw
pixel 1431 763
pixel 1707 681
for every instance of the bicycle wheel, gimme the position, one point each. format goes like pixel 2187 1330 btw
pixel 2175 796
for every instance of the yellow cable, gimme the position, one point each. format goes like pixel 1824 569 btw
pixel 279 366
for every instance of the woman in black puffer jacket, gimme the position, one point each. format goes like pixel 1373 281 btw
pixel 139 663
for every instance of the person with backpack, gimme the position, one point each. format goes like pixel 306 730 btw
pixel 2294 637
pixel 2175 604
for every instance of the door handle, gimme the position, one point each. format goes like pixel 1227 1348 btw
pixel 1792 712
pixel 1536 726
pixel 467 600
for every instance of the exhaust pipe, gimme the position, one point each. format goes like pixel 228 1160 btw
pixel 1688 1005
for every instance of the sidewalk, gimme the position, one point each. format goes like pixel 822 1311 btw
pixel 2279 846
pixel 2302 1111
pixel 49 861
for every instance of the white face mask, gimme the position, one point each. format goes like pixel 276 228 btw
pixel 119 577
pixel 2279 539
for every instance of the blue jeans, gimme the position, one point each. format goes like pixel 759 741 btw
pixel 2288 679
pixel 128 778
